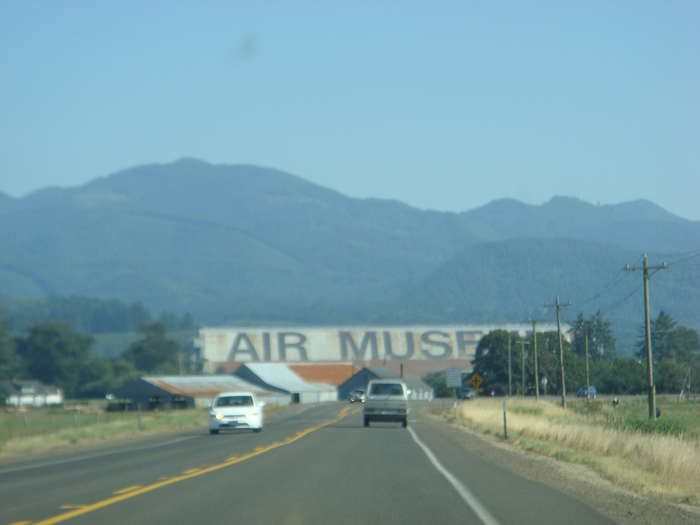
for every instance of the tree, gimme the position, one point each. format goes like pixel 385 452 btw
pixel 619 376
pixel 438 380
pixel 155 352
pixel 55 354
pixel 669 341
pixel 102 376
pixel 9 365
pixel 601 340
pixel 491 361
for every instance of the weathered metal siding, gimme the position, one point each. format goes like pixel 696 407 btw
pixel 359 344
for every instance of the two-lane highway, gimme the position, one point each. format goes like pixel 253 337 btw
pixel 314 465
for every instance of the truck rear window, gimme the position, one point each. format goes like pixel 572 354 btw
pixel 386 389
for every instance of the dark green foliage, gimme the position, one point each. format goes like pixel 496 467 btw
pixel 155 353
pixel 615 376
pixel 102 376
pixel 619 376
pixel 669 341
pixel 491 361
pixel 9 364
pixel 55 354
pixel 438 380
pixel 599 336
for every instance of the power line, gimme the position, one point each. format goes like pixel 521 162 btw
pixel 616 280
pixel 614 305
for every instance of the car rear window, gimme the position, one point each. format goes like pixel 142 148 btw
pixel 386 389
pixel 234 401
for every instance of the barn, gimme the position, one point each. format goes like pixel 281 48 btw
pixel 174 392
pixel 280 378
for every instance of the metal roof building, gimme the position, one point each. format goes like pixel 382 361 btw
pixel 419 389
pixel 168 392
pixel 279 377
pixel 327 373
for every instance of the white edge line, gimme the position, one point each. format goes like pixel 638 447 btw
pixel 482 512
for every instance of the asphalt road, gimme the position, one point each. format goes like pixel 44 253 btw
pixel 312 465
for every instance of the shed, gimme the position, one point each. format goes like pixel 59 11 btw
pixel 279 377
pixel 361 378
pixel 172 392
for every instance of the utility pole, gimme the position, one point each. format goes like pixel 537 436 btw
pixel 510 371
pixel 522 366
pixel 534 344
pixel 647 332
pixel 588 381
pixel 561 348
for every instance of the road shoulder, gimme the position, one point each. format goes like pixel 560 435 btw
pixel 575 480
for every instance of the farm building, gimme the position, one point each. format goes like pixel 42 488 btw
pixel 30 394
pixel 419 389
pixel 173 392
pixel 281 378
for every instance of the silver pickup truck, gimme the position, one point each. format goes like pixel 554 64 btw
pixel 387 400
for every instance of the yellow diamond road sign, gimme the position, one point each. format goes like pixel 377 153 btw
pixel 476 381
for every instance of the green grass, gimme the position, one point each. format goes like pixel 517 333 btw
pixel 676 419
pixel 39 429
pixel 48 428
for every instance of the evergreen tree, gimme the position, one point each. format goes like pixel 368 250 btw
pixel 601 340
pixel 669 341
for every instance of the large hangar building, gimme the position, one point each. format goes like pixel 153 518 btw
pixel 416 349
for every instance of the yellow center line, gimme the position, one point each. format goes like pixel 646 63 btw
pixel 128 489
pixel 137 491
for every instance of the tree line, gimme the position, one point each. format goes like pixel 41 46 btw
pixel 55 353
pixel 675 351
pixel 88 315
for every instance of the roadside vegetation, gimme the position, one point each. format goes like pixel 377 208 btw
pixel 33 430
pixel 654 458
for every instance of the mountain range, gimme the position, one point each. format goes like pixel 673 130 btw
pixel 245 244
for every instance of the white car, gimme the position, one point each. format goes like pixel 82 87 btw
pixel 234 410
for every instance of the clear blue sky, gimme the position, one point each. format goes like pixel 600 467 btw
pixel 442 105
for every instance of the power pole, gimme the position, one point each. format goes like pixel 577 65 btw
pixel 561 349
pixel 647 332
pixel 588 381
pixel 534 344
pixel 510 382
pixel 522 366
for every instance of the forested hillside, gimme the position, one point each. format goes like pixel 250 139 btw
pixel 252 245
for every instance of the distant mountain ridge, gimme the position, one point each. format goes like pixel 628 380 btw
pixel 244 243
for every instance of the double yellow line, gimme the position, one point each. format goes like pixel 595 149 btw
pixel 138 490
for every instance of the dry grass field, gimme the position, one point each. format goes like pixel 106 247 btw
pixel 654 458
